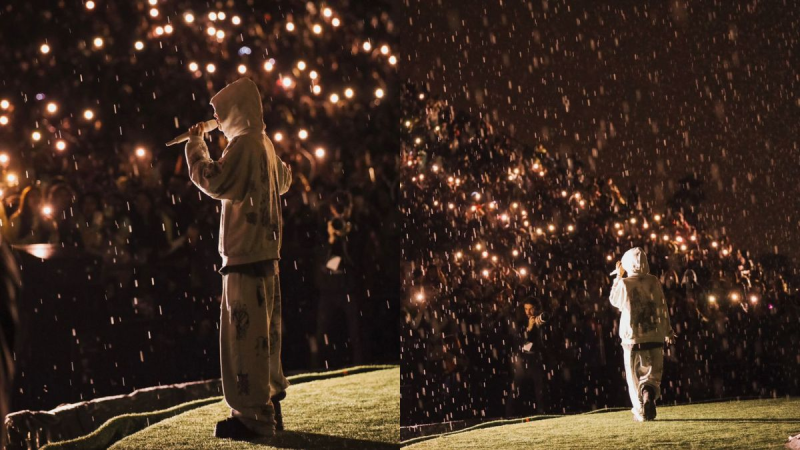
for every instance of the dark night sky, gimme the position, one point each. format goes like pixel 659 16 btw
pixel 646 94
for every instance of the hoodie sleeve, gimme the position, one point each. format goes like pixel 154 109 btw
pixel 226 178
pixel 284 176
pixel 618 294
pixel 663 301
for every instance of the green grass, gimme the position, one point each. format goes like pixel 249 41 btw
pixel 355 411
pixel 738 424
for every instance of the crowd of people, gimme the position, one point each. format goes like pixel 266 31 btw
pixel 85 170
pixel 507 255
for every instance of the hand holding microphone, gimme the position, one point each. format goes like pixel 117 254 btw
pixel 619 270
pixel 196 130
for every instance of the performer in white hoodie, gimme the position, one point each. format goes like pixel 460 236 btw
pixel 643 327
pixel 249 179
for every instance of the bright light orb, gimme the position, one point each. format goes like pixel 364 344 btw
pixel 46 210
pixel 301 65
pixel 90 5
pixel 36 136
pixel 212 16
pixel 3 120
pixel 278 137
pixel 168 29
pixel 335 22
pixel 317 28
pixel 221 15
pixel 379 93
pixel 334 98
pixel 188 18
pixel 211 68
pixel 44 49
pixel 316 89
pixel 289 26
pixel 712 298
pixel 523 271
pixel 348 93
pixel 286 82
pixel 366 46
pixel 384 49
pixel 313 75
pixel 159 31
pixel 4 104
pixel 220 34
pixel 392 60
pixel 211 31
pixel 236 20
pixel 153 12
pixel 193 66
pixel 152 2
pixel 140 152
pixel 268 66
pixel 242 68
pixel 98 42
pixel 139 45
pixel 319 152
pixel 753 299
pixel 327 12
pixel 11 178
pixel 88 114
pixel 302 134
pixel 4 158
pixel 61 145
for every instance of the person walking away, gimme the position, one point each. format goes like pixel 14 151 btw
pixel 643 328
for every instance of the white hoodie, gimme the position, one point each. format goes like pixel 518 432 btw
pixel 249 177
pixel 645 317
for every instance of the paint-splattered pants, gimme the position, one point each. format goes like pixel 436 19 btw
pixel 250 348
pixel 642 368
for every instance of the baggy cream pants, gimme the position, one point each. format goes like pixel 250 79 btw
pixel 642 368
pixel 250 348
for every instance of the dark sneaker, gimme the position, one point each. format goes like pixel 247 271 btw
pixel 276 402
pixel 233 428
pixel 649 402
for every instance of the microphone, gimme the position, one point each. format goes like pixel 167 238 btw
pixel 208 125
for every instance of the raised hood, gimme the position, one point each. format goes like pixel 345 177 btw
pixel 238 106
pixel 634 261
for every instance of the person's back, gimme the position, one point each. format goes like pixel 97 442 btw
pixel 249 178
pixel 639 297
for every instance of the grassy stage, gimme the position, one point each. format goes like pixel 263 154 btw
pixel 357 408
pixel 738 424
